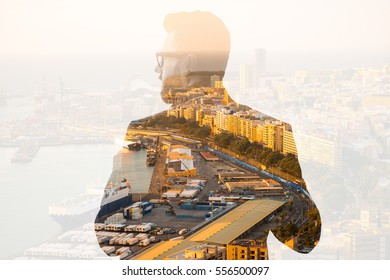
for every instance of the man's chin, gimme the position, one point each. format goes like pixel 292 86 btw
pixel 166 97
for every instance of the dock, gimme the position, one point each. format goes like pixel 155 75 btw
pixel 158 177
pixel 121 167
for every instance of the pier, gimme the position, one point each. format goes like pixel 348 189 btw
pixel 121 167
pixel 158 178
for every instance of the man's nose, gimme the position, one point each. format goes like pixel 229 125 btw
pixel 158 69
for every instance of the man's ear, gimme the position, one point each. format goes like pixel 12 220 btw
pixel 191 62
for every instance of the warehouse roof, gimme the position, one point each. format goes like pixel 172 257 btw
pixel 222 231
pixel 236 222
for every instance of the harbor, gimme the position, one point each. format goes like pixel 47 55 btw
pixel 190 188
pixel 180 204
pixel 181 179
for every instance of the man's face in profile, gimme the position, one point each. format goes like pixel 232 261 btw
pixel 196 47
pixel 172 65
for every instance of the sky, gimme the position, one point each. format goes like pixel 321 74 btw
pixel 100 44
pixel 88 27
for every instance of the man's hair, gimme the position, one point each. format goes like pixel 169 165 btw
pixel 203 34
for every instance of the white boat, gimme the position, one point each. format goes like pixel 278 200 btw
pixel 87 206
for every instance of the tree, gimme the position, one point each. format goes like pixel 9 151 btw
pixel 240 145
pixel 273 158
pixel 224 139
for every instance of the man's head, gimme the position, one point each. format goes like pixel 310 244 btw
pixel 196 47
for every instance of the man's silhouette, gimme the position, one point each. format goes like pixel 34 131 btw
pixel 196 49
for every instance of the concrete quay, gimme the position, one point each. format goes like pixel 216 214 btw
pixel 159 178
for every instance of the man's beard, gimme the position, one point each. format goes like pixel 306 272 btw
pixel 171 85
pixel 181 83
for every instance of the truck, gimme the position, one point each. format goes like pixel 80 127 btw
pixel 130 228
pixel 112 240
pixel 129 212
pixel 118 227
pixel 156 201
pixel 141 236
pixel 108 249
pixel 99 226
pixel 126 212
pixel 132 241
pixel 146 207
pixel 108 227
pixel 144 242
pixel 123 252
pixel 143 228
pixel 146 228
pixel 153 225
pixel 120 241
pixel 102 239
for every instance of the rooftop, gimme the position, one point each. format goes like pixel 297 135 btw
pixel 220 232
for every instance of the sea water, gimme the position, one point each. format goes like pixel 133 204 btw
pixel 56 173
